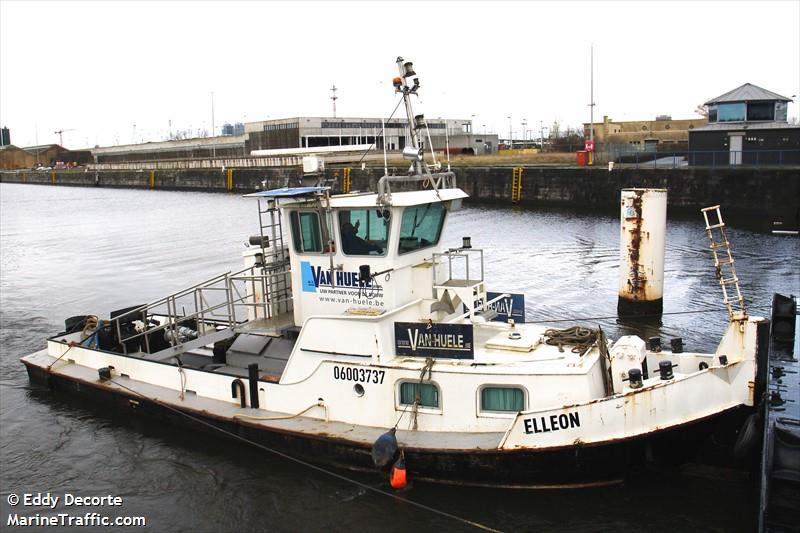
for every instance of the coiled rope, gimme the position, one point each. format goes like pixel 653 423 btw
pixel 579 337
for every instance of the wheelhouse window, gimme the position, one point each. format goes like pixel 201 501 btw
pixel 425 394
pixel 363 231
pixel 760 111
pixel 734 112
pixel 421 227
pixel 712 114
pixel 306 231
pixel 502 399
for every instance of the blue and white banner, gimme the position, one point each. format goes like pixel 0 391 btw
pixel 451 341
pixel 512 306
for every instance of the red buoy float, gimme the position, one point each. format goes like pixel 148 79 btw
pixel 398 478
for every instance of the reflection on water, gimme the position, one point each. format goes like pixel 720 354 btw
pixel 69 251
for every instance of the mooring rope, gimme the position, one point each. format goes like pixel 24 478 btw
pixel 579 337
pixel 652 315
pixel 287 417
pixel 273 451
pixel 426 368
pixel 60 356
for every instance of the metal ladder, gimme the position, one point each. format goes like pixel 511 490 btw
pixel 726 271
pixel 276 259
pixel 516 184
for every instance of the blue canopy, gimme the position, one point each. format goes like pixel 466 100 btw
pixel 287 192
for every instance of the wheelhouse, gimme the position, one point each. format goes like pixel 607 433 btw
pixel 352 253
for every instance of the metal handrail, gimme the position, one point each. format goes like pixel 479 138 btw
pixel 700 158
pixel 204 310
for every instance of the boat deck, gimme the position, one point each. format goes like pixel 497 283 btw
pixel 273 327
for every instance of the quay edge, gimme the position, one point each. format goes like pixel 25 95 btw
pixel 764 198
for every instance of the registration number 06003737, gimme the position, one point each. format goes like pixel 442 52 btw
pixel 364 375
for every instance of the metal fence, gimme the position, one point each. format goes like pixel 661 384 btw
pixel 699 158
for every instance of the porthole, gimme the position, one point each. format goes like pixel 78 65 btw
pixel 358 388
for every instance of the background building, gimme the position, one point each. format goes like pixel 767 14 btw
pixel 206 147
pixel 747 125
pixel 312 132
pixel 13 157
pixel 303 132
pixel 663 133
pixel 45 154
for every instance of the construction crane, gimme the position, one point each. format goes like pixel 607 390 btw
pixel 61 135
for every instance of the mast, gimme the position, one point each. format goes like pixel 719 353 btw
pixel 334 98
pixel 406 70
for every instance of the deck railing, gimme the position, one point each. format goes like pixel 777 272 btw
pixel 699 158
pixel 221 302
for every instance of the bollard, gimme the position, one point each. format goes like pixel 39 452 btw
pixel 643 223
pixel 252 377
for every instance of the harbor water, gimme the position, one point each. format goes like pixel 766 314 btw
pixel 71 251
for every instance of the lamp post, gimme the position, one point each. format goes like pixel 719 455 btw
pixel 524 123
pixel 541 135
pixel 213 147
pixel 510 135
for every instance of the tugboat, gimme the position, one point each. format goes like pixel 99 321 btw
pixel 354 337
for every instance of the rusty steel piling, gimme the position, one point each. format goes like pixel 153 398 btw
pixel 643 223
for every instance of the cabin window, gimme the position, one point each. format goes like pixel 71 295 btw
pixel 421 227
pixel 426 393
pixel 363 231
pixel 712 115
pixel 760 111
pixel 306 232
pixel 734 112
pixel 502 399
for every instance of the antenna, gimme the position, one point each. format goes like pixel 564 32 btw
pixel 406 70
pixel 591 100
pixel 334 98
pixel 385 163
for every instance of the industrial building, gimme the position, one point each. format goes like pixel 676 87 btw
pixel 13 157
pixel 46 154
pixel 306 132
pixel 663 133
pixel 204 147
pixel 746 126
pixel 311 132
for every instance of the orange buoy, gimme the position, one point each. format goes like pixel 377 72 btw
pixel 398 81
pixel 398 478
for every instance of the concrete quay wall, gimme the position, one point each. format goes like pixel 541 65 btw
pixel 760 194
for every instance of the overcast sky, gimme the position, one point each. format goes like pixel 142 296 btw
pixel 113 72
